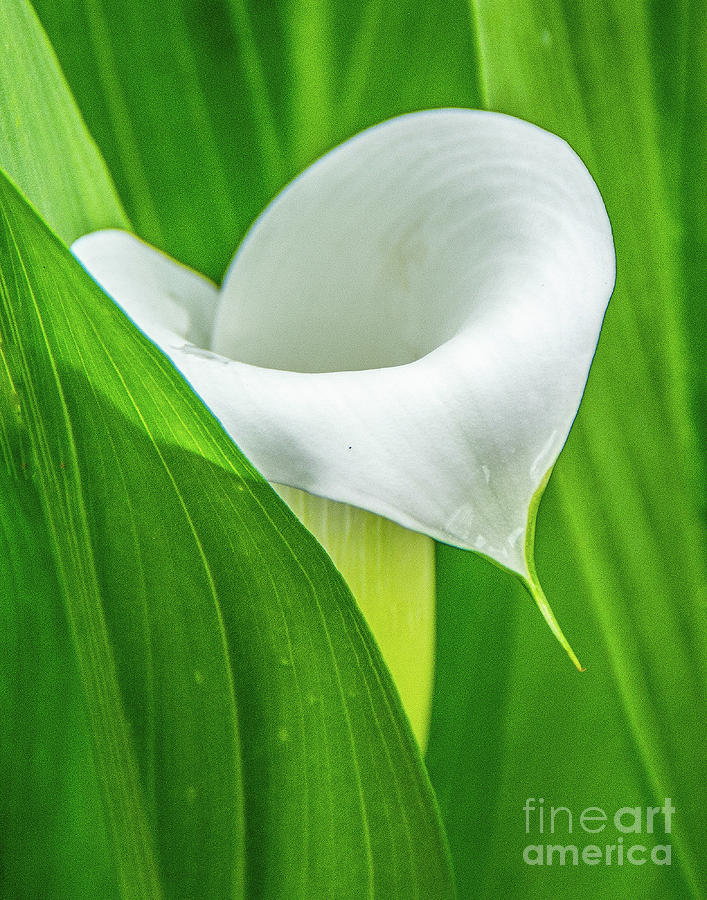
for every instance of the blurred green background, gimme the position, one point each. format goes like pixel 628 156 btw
pixel 204 108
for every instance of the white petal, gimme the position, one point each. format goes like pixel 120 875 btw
pixel 437 284
pixel 464 260
pixel 158 294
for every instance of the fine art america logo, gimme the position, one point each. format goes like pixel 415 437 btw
pixel 631 835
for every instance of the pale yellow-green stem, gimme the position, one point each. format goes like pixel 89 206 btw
pixel 391 573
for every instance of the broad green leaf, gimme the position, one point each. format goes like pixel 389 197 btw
pixel 198 610
pixel 55 840
pixel 44 144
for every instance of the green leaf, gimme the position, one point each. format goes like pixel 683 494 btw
pixel 197 608
pixel 44 144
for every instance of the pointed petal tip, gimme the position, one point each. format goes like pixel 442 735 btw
pixel 537 593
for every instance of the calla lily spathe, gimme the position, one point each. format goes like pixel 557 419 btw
pixel 407 328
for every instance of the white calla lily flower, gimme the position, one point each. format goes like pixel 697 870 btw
pixel 407 328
